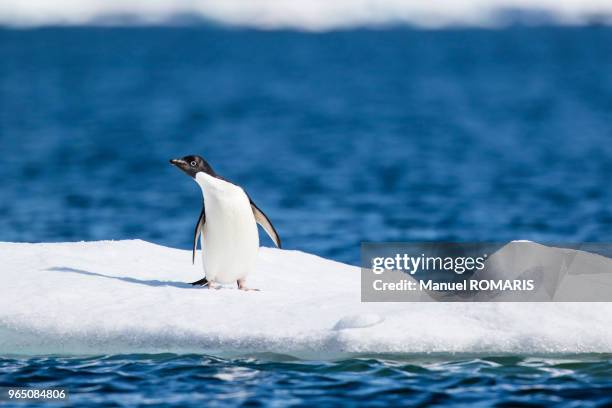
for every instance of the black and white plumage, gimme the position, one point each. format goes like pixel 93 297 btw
pixel 226 227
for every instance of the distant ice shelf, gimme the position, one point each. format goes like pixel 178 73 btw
pixel 311 15
pixel 131 296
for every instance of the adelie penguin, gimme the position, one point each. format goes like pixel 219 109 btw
pixel 227 226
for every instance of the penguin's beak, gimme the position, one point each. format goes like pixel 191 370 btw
pixel 181 164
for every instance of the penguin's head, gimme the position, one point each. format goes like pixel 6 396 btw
pixel 192 165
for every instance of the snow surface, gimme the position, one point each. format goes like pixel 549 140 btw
pixel 131 296
pixel 313 15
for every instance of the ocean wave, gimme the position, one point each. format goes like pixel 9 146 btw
pixel 312 15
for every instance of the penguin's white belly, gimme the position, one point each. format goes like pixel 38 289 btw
pixel 230 241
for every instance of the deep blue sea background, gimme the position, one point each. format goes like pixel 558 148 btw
pixel 340 137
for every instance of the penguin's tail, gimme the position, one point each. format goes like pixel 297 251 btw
pixel 201 282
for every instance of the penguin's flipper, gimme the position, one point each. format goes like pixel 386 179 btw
pixel 198 230
pixel 264 221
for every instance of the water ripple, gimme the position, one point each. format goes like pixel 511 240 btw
pixel 191 380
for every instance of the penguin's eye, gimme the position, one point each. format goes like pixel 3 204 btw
pixel 193 164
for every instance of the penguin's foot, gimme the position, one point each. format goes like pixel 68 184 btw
pixel 201 282
pixel 242 285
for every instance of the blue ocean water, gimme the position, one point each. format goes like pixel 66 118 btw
pixel 340 137
pixel 276 380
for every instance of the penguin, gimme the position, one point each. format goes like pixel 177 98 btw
pixel 226 227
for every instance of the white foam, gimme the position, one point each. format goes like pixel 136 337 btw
pixel 129 296
pixel 306 14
